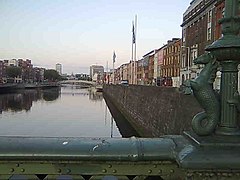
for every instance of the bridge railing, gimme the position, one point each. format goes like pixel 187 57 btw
pixel 201 155
pixel 87 158
pixel 169 157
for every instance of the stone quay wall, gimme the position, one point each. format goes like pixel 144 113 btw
pixel 153 111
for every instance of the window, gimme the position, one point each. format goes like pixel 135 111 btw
pixel 183 61
pixel 210 16
pixel 223 12
pixel 209 25
pixel 194 55
pixel 209 33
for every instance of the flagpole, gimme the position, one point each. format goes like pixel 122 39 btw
pixel 135 33
pixel 107 78
pixel 113 72
pixel 114 57
pixel 135 53
pixel 132 58
pixel 132 39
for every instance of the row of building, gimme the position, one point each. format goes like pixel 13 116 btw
pixel 28 74
pixel 172 64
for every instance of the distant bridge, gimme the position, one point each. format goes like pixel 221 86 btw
pixel 78 82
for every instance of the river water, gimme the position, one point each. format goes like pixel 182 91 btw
pixel 60 112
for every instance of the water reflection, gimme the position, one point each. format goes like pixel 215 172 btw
pixel 23 100
pixel 66 111
pixel 62 112
pixel 122 123
pixel 95 96
pixel 51 94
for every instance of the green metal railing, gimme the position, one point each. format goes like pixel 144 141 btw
pixel 84 158
pixel 169 157
pixel 212 154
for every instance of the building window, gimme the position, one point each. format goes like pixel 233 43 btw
pixel 210 16
pixel 184 35
pixel 209 25
pixel 209 34
pixel 223 12
pixel 183 61
pixel 194 54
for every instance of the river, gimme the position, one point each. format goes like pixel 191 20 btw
pixel 60 112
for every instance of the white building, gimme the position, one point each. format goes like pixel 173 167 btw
pixel 59 68
pixel 13 62
pixel 96 72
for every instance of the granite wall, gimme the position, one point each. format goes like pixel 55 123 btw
pixel 153 111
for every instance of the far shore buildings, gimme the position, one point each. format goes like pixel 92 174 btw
pixel 29 74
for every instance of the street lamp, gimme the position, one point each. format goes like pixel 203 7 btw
pixel 226 50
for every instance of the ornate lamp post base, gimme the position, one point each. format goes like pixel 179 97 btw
pixel 213 140
pixel 221 116
pixel 227 53
pixel 228 131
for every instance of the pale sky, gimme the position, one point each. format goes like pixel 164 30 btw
pixel 79 33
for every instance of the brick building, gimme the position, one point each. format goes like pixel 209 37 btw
pixel 151 68
pixel 148 68
pixel 27 70
pixel 170 69
pixel 38 74
pixel 219 12
pixel 198 31
pixel 140 71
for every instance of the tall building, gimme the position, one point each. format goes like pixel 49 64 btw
pixel 96 72
pixel 198 30
pixel 59 68
pixel 27 70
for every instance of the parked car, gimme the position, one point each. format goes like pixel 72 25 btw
pixel 124 82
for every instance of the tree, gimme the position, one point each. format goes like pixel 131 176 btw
pixel 13 71
pixel 51 75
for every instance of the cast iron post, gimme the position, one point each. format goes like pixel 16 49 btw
pixel 227 51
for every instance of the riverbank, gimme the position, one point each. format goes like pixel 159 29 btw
pixel 11 87
pixel 5 88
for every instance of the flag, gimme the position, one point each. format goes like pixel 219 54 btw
pixel 114 57
pixel 133 38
